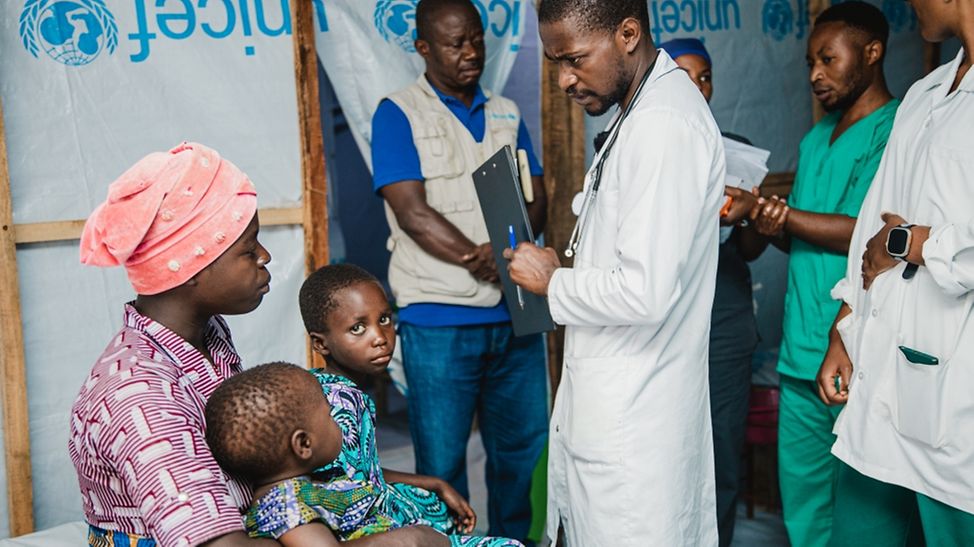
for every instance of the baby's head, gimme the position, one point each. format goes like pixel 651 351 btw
pixel 349 319
pixel 271 422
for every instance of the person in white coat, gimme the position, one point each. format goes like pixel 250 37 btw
pixel 631 458
pixel 901 351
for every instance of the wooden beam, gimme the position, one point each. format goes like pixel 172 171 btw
pixel 67 230
pixel 13 384
pixel 314 183
pixel 563 133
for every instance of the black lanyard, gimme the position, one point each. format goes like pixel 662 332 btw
pixel 611 134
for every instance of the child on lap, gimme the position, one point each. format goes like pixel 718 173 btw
pixel 350 323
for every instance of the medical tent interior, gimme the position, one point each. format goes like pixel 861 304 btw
pixel 286 90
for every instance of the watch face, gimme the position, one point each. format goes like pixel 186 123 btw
pixel 896 244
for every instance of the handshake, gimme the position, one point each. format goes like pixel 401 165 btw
pixel 767 215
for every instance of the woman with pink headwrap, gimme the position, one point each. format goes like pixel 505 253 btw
pixel 184 226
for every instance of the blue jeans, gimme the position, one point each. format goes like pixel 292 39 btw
pixel 452 372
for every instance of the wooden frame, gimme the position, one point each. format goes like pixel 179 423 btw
pixel 563 132
pixel 13 385
pixel 312 215
pixel 66 230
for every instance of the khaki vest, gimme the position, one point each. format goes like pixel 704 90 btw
pixel 448 156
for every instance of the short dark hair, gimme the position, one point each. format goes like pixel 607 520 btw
pixel 860 16
pixel 427 10
pixel 250 418
pixel 317 295
pixel 602 15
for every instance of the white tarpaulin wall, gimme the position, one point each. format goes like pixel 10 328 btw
pixel 90 86
pixel 366 46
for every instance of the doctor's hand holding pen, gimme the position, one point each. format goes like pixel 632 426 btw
pixel 531 267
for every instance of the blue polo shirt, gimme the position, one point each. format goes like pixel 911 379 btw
pixel 395 159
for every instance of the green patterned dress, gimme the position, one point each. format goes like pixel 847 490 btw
pixel 350 495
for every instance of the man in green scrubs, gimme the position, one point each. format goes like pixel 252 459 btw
pixel 837 161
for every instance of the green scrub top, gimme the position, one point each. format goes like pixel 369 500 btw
pixel 830 179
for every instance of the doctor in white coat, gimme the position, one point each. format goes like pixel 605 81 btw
pixel 901 351
pixel 630 457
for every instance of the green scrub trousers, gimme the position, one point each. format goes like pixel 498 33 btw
pixel 879 514
pixel 807 470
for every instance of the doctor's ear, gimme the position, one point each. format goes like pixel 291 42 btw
pixel 629 34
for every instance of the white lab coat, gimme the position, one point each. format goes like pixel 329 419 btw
pixel 631 458
pixel 913 424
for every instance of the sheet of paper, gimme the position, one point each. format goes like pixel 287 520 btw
pixel 746 168
pixel 746 165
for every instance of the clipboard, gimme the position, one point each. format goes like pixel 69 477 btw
pixel 499 192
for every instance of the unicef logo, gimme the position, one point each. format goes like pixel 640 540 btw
pixel 396 21
pixel 777 18
pixel 72 32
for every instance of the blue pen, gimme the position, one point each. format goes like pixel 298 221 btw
pixel 512 239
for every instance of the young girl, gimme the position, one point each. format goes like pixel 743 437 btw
pixel 348 318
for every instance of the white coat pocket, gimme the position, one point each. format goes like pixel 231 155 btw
pixel 595 412
pixel 921 393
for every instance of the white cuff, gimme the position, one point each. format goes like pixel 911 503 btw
pixel 948 255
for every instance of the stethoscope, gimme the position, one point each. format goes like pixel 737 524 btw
pixel 593 189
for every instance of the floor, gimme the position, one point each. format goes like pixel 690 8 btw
pixel 396 452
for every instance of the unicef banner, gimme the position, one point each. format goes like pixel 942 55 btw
pixel 88 87
pixel 366 46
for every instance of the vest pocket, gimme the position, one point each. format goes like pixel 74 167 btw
pixel 430 275
pixel 438 156
pixel 504 134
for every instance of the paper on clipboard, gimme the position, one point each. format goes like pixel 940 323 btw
pixel 499 189
pixel 524 170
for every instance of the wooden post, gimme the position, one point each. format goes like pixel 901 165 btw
pixel 313 179
pixel 563 133
pixel 13 385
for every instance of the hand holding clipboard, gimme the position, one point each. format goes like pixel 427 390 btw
pixel 499 183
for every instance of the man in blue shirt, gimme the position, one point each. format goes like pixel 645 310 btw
pixel 459 352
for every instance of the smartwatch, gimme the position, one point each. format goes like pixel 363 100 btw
pixel 898 241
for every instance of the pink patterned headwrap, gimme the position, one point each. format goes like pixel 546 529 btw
pixel 169 216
